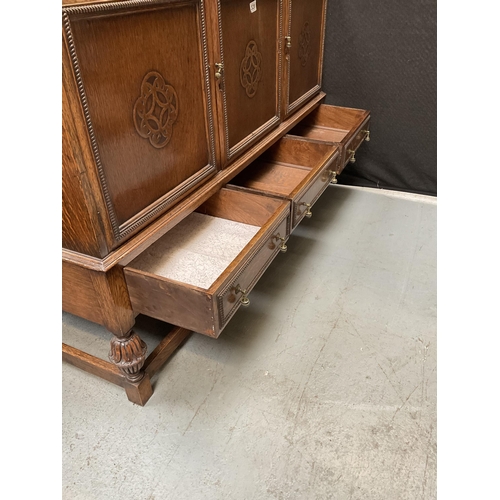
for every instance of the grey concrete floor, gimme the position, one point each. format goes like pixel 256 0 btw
pixel 324 388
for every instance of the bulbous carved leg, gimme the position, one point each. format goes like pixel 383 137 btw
pixel 129 355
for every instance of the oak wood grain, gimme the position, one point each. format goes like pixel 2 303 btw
pixel 92 364
pixel 271 178
pixel 299 151
pixel 86 227
pixel 170 301
pixel 240 207
pixel 139 392
pixel 78 294
pixel 113 298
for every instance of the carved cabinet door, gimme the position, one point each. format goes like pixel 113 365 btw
pixel 142 76
pixel 248 71
pixel 304 41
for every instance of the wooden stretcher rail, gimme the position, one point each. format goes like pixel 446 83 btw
pixel 137 393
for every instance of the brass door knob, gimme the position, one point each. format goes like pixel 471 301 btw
pixel 219 70
pixel 244 300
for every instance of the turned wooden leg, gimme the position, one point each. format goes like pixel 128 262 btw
pixel 129 354
pixel 128 350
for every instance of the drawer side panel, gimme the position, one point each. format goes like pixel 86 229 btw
pixel 228 299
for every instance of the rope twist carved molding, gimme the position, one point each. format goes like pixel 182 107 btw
pixel 304 44
pixel 250 70
pixel 156 110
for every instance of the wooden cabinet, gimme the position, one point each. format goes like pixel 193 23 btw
pixel 194 142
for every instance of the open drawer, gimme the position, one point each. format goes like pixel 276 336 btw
pixel 199 273
pixel 294 169
pixel 347 126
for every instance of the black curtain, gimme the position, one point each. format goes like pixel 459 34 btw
pixel 381 56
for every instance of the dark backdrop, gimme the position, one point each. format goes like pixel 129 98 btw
pixel 381 55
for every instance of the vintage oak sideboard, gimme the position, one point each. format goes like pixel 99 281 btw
pixel 194 142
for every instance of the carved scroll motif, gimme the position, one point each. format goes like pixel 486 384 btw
pixel 304 44
pixel 156 110
pixel 250 70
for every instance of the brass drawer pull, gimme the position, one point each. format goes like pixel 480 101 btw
pixel 308 213
pixel 367 136
pixel 288 42
pixel 283 247
pixel 352 158
pixel 329 176
pixel 245 301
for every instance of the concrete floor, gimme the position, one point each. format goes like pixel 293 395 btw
pixel 324 388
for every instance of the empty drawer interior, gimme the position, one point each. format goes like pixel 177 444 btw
pixel 332 123
pixel 178 278
pixel 287 168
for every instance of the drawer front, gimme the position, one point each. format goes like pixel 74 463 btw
pixel 358 138
pixel 304 201
pixel 230 297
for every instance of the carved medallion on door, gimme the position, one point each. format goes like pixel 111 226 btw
pixel 156 110
pixel 250 69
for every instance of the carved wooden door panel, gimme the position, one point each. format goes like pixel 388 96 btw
pixel 250 75
pixel 142 72
pixel 304 41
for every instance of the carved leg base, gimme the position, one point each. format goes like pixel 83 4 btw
pixel 129 354
pixel 139 392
